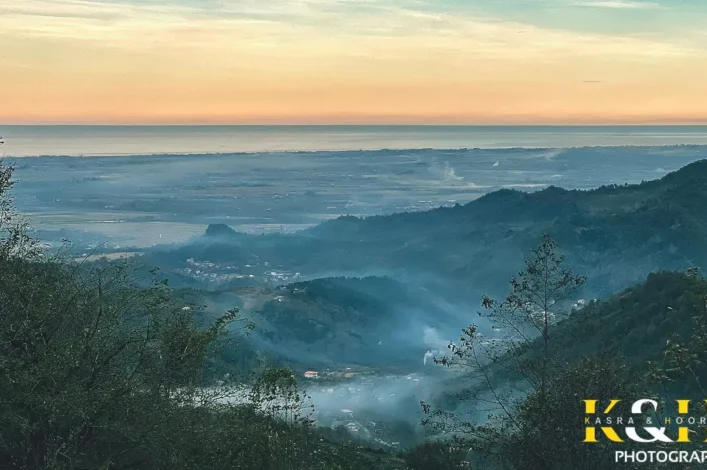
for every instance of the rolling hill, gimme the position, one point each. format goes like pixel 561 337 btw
pixel 615 235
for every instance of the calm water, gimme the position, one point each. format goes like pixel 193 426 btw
pixel 141 140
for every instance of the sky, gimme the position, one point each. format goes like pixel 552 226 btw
pixel 353 61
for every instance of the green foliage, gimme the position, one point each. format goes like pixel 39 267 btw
pixel 105 369
pixel 90 366
pixel 636 324
pixel 276 393
pixel 525 351
pixel 532 396
pixel 537 300
pixel 683 366
pixel 437 456
pixel 14 241
pixel 532 438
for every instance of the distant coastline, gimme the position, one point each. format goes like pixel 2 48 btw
pixel 125 141
pixel 397 151
pixel 146 200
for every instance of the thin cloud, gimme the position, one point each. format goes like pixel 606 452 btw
pixel 339 60
pixel 620 5
pixel 377 30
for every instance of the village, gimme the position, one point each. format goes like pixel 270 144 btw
pixel 221 273
pixel 363 401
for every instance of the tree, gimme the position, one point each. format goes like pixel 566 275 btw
pixel 523 351
pixel 683 368
pixel 553 440
pixel 537 300
pixel 519 362
pixel 437 456
pixel 14 240
pixel 82 356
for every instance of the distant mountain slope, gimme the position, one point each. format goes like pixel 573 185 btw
pixel 630 328
pixel 374 321
pixel 615 235
pixel 634 325
pixel 652 217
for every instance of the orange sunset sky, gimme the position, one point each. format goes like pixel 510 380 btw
pixel 345 61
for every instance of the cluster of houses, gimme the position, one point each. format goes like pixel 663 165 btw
pixel 220 273
pixel 345 374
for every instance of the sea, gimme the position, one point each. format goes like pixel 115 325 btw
pixel 22 141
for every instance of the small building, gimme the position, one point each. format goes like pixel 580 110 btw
pixel 311 374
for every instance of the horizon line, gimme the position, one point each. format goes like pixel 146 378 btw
pixel 357 124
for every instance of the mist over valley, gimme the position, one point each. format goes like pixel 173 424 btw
pixel 364 266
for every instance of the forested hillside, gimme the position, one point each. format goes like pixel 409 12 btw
pixel 616 235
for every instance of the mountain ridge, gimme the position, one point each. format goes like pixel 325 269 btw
pixel 614 234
